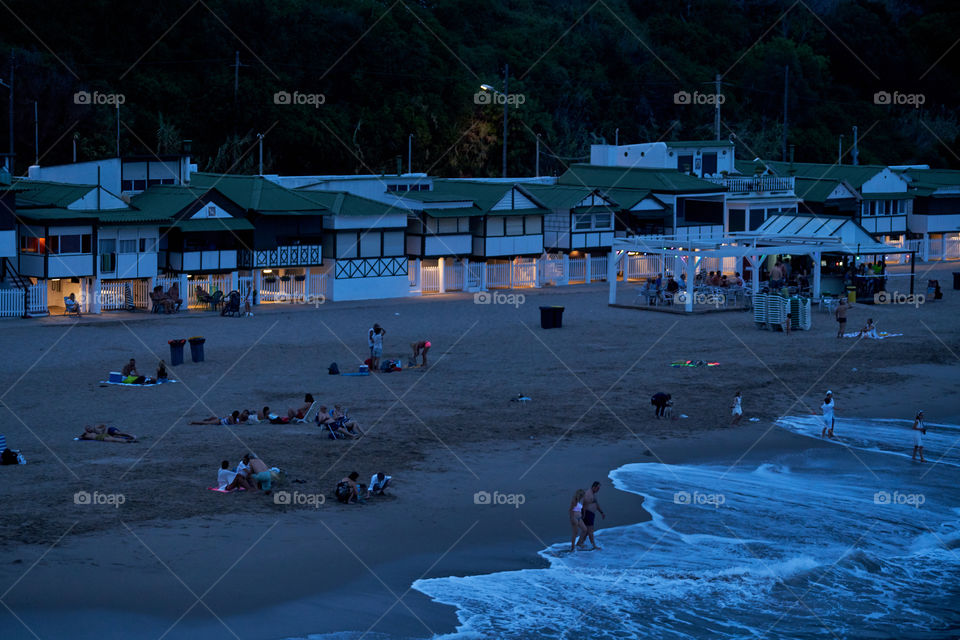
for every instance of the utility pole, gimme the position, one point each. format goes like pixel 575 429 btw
pixel 783 141
pixel 260 141
pixel 36 133
pixel 410 153
pixel 716 112
pixel 75 137
pixel 538 156
pixel 616 137
pixel 855 153
pixel 11 109
pixel 506 100
pixel 118 129
pixel 840 150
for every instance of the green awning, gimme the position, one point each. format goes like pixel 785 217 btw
pixel 213 224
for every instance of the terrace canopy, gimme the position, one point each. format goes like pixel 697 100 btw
pixel 792 234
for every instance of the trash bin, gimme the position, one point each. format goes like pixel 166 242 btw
pixel 196 349
pixel 551 317
pixel 956 279
pixel 176 351
pixel 851 294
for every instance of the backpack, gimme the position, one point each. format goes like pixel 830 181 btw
pixel 333 369
pixel 8 457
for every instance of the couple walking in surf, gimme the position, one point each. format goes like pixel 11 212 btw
pixel 583 514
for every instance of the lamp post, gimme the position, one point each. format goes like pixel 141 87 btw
pixel 506 95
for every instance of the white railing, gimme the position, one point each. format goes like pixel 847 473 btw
pixel 475 275
pixel 524 274
pixel 454 277
pixel 498 275
pixel 210 284
pixel 759 184
pixel 598 268
pixel 11 301
pixel 298 289
pixel 640 267
pixel 552 270
pixel 578 270
pixel 114 294
pixel 429 278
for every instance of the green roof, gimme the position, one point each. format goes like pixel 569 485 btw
pixel 924 182
pixel 341 203
pixel 167 200
pixel 856 175
pixel 557 196
pixel 104 216
pixel 813 190
pixel 627 198
pixel 256 193
pixel 483 194
pixel 50 194
pixel 458 212
pixel 657 180
pixel 213 224
pixel 434 196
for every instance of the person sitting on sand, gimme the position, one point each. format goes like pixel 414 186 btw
pixel 233 418
pixel 869 330
pixel 302 411
pixel 230 480
pixel 576 517
pixel 100 433
pixel 351 425
pixel 420 349
pixel 264 414
pixel 258 473
pixel 324 419
pixel 348 491
pixel 378 484
pixel 161 371
pixel 130 375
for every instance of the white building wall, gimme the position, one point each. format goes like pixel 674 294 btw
pixel 510 246
pixel 371 288
pixel 82 173
pixel 8 244
pixel 458 244
pixel 885 182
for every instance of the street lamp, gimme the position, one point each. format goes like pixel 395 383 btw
pixel 505 94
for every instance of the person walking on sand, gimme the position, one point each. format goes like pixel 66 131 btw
pixel 661 401
pixel 737 410
pixel 375 341
pixel 576 517
pixel 827 409
pixel 420 349
pixel 919 430
pixel 590 509
pixel 841 314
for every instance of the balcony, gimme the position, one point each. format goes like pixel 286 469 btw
pixel 756 185
pixel 299 255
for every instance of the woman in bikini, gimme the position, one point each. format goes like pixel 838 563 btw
pixel 233 418
pixel 576 517
pixel 101 433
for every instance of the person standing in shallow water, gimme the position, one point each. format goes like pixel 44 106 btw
pixel 590 509
pixel 919 430
pixel 576 517
pixel 827 409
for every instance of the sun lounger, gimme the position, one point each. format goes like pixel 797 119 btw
pixel 310 415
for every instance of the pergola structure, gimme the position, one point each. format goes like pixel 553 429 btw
pixel 777 236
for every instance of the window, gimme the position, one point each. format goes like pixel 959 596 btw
pixel 139 185
pixel 756 219
pixel 602 220
pixel 709 163
pixel 148 245
pixel 901 206
pixel 79 243
pixel 212 211
pixel 370 244
pixel 126 185
pixel 447 225
pixel 128 246
pixel 533 224
pixel 738 220
pixel 582 221
pixel 32 244
pixel 393 243
pixel 463 225
pixel 108 255
pixel 495 226
pixel 346 245
pixel 514 225
pixel 685 163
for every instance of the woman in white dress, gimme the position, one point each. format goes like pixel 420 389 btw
pixel 919 430
pixel 737 410
pixel 827 409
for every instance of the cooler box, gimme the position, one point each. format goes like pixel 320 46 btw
pixel 115 376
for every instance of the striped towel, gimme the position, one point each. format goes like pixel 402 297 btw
pixel 3 442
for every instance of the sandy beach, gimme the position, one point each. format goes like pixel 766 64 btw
pixel 179 560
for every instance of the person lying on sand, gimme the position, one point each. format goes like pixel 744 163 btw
pixel 101 433
pixel 229 480
pixel 234 418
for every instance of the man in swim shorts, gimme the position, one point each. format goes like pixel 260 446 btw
pixel 590 509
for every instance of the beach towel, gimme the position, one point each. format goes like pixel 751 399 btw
pixel 219 490
pixel 126 384
pixel 356 374
pixel 880 335
pixel 693 363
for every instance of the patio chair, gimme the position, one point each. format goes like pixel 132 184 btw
pixel 157 301
pixel 215 300
pixel 202 296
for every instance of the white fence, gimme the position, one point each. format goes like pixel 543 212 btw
pixel 639 267
pixel 12 300
pixel 210 284
pixel 120 294
pixel 297 289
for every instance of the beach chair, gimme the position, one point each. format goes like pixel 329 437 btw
pixel 232 305
pixel 310 415
pixel 70 307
